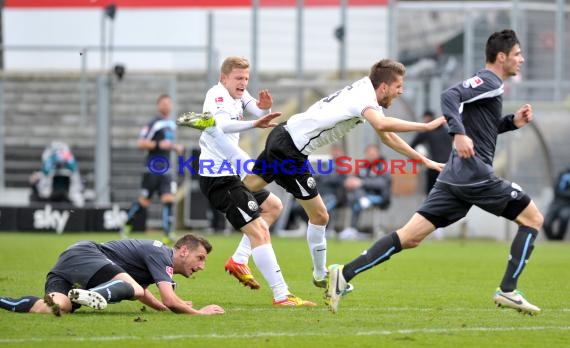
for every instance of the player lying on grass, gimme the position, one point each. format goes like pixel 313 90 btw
pixel 95 274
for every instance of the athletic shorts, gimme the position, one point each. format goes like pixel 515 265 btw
pixel 161 183
pixel 446 203
pixel 230 196
pixel 76 266
pixel 283 163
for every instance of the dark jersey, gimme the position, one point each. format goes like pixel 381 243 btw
pixel 437 141
pixel 474 108
pixel 156 130
pixel 147 261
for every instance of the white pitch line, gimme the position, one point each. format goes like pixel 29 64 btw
pixel 281 334
pixel 396 309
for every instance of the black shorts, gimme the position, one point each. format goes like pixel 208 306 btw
pixel 76 266
pixel 446 203
pixel 152 183
pixel 230 196
pixel 283 163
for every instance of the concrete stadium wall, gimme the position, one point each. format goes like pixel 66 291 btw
pixel 187 27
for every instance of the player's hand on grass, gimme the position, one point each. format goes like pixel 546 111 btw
pixel 211 310
pixel 266 121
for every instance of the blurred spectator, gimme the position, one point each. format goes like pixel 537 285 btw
pixel 157 138
pixel 369 187
pixel 558 214
pixel 438 146
pixel 59 179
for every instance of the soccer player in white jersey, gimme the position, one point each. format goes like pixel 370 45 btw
pixel 323 123
pixel 221 183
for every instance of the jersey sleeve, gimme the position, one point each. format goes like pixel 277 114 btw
pixel 507 124
pixel 144 132
pixel 364 97
pixel 473 89
pixel 160 267
pixel 250 105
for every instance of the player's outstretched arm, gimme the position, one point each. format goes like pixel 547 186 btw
pixel 266 121
pixel 177 305
pixel 400 146
pixel 391 124
pixel 151 301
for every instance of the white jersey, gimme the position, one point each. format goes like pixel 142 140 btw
pixel 225 109
pixel 332 117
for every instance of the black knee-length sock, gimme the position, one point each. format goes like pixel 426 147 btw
pixel 20 305
pixel 379 252
pixel 521 248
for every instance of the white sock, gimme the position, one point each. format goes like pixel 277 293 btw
pixel 318 248
pixel 266 261
pixel 233 152
pixel 243 251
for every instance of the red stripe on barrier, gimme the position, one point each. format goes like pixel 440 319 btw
pixel 180 3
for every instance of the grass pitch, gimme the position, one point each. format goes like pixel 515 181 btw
pixel 438 295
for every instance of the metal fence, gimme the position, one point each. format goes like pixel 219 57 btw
pixel 441 42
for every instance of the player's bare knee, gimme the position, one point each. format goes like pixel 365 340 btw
pixel 272 205
pixel 257 232
pixel 536 220
pixel 319 217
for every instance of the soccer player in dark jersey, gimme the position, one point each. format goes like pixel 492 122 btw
pixel 473 109
pixel 95 274
pixel 158 138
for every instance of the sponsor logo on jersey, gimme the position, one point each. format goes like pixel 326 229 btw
pixel 170 271
pixel 219 100
pixel 311 183
pixel 473 82
pixel 252 205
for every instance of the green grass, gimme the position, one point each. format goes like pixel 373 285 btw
pixel 438 295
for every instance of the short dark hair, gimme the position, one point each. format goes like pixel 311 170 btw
pixel 386 71
pixel 162 96
pixel 193 241
pixel 501 41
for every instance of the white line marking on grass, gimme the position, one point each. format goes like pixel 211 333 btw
pixel 394 309
pixel 281 334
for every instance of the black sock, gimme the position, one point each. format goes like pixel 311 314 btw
pixel 135 209
pixel 115 291
pixel 379 252
pixel 521 248
pixel 167 218
pixel 20 305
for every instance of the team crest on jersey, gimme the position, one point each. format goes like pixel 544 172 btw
pixel 311 183
pixel 170 271
pixel 252 205
pixel 219 100
pixel 473 82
